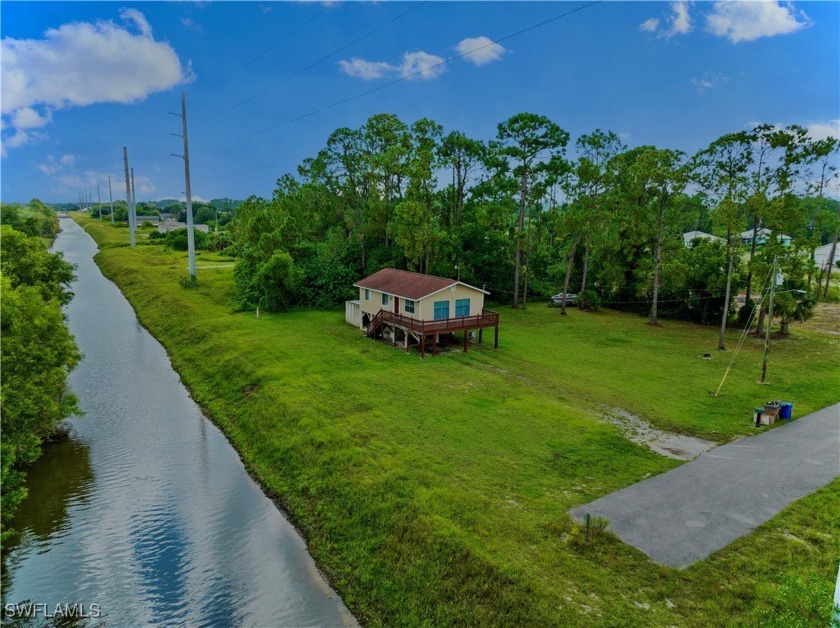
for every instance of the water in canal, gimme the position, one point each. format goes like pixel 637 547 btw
pixel 147 510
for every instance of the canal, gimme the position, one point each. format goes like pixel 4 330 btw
pixel 147 510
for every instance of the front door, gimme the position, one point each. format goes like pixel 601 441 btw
pixel 396 305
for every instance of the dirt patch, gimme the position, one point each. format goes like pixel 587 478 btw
pixel 641 432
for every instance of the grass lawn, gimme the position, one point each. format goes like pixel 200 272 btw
pixel 437 491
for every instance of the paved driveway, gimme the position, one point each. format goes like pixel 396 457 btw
pixel 684 515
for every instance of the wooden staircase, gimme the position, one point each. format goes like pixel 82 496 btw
pixel 375 325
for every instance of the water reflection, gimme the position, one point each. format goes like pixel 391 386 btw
pixel 57 481
pixel 149 511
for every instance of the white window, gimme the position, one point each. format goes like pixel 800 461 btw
pixel 408 306
pixel 367 294
pixel 384 299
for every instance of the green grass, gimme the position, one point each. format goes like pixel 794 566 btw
pixel 436 491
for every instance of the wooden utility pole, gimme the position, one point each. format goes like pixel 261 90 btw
pixel 128 196
pixel 188 189
pixel 769 321
pixel 111 198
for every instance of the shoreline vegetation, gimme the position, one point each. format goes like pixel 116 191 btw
pixel 437 492
pixel 38 350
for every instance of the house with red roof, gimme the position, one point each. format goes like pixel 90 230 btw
pixel 413 308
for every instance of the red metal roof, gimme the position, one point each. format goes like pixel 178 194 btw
pixel 402 283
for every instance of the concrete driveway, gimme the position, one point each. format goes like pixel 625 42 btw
pixel 684 515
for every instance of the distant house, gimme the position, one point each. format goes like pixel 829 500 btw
pixel 690 236
pixel 407 307
pixel 822 253
pixel 142 219
pixel 761 237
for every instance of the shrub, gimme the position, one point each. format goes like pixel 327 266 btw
pixel 589 300
pixel 269 285
pixel 177 240
pixel 580 538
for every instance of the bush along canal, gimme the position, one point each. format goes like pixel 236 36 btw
pixel 146 514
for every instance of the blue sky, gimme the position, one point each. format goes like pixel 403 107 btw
pixel 80 80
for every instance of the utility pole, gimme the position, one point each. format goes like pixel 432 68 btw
pixel 128 196
pixel 133 199
pixel 769 321
pixel 99 200
pixel 188 193
pixel 111 198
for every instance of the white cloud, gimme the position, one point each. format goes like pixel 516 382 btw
pixel 414 65
pixel 363 69
pixel 53 165
pixel 421 65
pixel 649 25
pixel 677 23
pixel 824 130
pixel 480 50
pixel 138 19
pixel 28 118
pixel 71 182
pixel 191 24
pixel 82 63
pixel 748 21
pixel 709 80
pixel 680 20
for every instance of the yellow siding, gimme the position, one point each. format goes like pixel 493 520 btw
pixel 426 307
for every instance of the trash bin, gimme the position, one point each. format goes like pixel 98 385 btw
pixel 771 413
pixel 786 411
pixel 757 416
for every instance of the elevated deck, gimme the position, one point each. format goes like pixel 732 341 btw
pixel 425 331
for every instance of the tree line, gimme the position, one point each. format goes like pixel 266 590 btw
pixel 529 214
pixel 37 349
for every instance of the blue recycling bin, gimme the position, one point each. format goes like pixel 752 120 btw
pixel 786 411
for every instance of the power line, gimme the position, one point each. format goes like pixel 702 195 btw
pixel 400 79
pixel 311 65
pixel 266 51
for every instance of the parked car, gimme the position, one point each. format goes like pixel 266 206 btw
pixel 557 299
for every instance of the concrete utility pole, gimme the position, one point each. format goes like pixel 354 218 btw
pixel 188 193
pixel 769 321
pixel 99 200
pixel 128 196
pixel 133 199
pixel 111 198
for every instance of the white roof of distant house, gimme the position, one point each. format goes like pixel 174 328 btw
pixel 691 235
pixel 763 232
pixel 821 254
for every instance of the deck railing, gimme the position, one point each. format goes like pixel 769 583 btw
pixel 487 318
